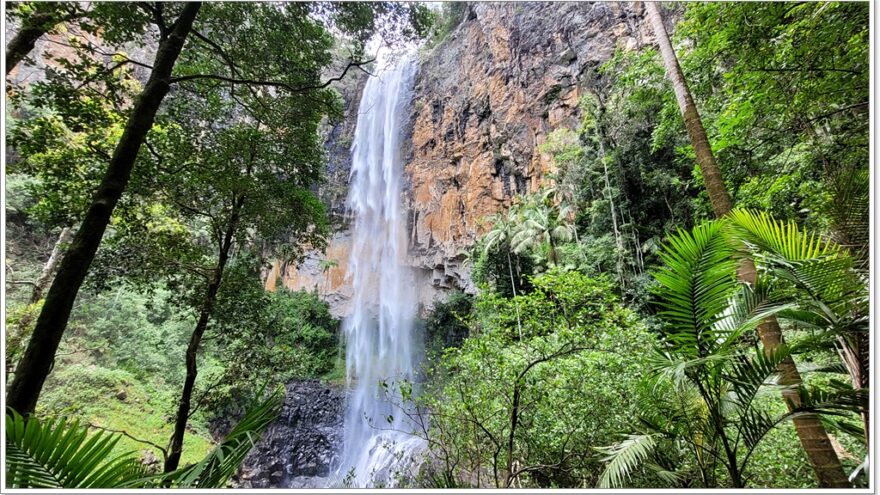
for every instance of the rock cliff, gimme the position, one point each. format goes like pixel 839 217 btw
pixel 485 99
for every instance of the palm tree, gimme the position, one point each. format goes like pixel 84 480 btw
pixel 544 221
pixel 834 296
pixel 503 230
pixel 61 455
pixel 58 454
pixel 812 434
pixel 706 380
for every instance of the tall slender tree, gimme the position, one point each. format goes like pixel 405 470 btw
pixel 811 433
pixel 36 363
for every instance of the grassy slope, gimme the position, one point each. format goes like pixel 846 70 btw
pixel 112 399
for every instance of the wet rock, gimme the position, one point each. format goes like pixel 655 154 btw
pixel 301 447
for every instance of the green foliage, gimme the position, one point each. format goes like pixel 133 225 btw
pixel 294 337
pixel 119 366
pixel 786 119
pixel 572 327
pixel 523 241
pixel 447 324
pixel 16 334
pixel 625 191
pixel 545 365
pixel 224 460
pixel 305 323
pixel 543 221
pixel 709 382
pixel 494 261
pixel 258 336
pixel 625 457
pixel 133 332
pixel 64 147
pixel 122 401
pixel 56 454
pixel 449 17
pixel 395 22
pixel 63 455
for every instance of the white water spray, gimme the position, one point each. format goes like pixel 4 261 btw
pixel 380 341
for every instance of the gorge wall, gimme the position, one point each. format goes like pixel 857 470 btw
pixel 486 97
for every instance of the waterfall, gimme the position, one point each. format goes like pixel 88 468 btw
pixel 381 345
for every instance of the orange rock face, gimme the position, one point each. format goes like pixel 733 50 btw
pixel 325 273
pixel 485 99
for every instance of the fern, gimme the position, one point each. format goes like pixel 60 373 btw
pixel 697 280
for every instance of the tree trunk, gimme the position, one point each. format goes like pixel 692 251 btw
pixel 37 361
pixel 36 294
pixel 514 420
pixel 50 266
pixel 615 225
pixel 175 447
pixel 26 38
pixel 513 288
pixel 618 240
pixel 812 434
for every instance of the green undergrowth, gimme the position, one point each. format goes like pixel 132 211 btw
pixel 113 399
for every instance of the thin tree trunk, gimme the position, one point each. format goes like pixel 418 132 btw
pixel 618 240
pixel 36 294
pixel 37 361
pixel 855 352
pixel 718 195
pixel 810 431
pixel 615 225
pixel 513 288
pixel 554 256
pixel 50 266
pixel 175 447
pixel 514 420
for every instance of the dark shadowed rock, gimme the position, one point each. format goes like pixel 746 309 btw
pixel 301 446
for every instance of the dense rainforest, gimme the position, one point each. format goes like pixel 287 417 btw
pixel 681 301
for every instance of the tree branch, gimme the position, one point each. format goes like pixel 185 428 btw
pixel 274 84
pixel 805 69
pixel 233 67
pixel 125 433
pixel 21 282
pixel 158 18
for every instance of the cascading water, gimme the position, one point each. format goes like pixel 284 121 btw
pixel 381 345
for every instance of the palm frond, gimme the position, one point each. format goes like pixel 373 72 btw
pixel 697 280
pixel 625 457
pixel 785 239
pixel 843 425
pixel 753 423
pixel 747 307
pixel 748 373
pixel 56 454
pixel 837 402
pixel 849 211
pixel 221 463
